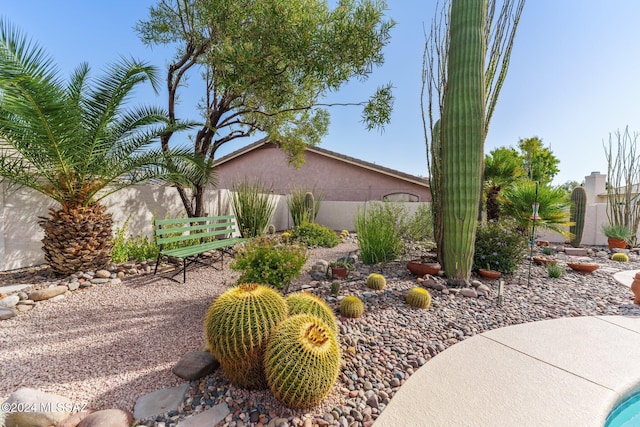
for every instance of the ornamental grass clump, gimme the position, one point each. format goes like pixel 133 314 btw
pixel 264 260
pixel 380 228
pixel 554 271
pixel 499 246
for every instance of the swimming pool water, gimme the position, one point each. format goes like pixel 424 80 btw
pixel 626 414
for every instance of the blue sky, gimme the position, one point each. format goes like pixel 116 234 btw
pixel 573 77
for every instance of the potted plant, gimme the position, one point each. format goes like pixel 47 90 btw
pixel 340 269
pixel 617 235
pixel 424 265
pixel 488 273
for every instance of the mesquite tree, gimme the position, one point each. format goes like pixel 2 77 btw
pixel 460 157
pixel 266 67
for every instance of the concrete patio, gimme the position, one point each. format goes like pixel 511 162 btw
pixel 561 372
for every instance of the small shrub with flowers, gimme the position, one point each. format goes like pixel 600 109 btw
pixel 267 261
pixel 499 246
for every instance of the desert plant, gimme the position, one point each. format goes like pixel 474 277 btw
pixel 264 260
pixel 302 361
pixel 546 250
pixel 344 234
pixel 76 143
pixel 253 207
pixel 623 172
pixel 418 297
pixel 380 227
pixel 238 325
pixel 126 248
pixel 554 271
pixel 308 303
pixel 304 205
pixel 335 288
pixel 578 210
pixel 499 246
pixel 271 229
pixel 620 256
pixel 376 281
pixel 420 225
pixel 617 231
pixel 351 306
pixel 312 234
pixel 553 213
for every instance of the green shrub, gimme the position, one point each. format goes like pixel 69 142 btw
pixel 499 246
pixel 138 248
pixel 312 234
pixel 297 207
pixel 265 261
pixel 253 207
pixel 420 225
pixel 554 271
pixel 546 250
pixel 380 228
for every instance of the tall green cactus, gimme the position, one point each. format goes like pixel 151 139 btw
pixel 462 136
pixel 578 209
pixel 310 206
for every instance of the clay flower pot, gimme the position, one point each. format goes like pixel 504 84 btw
pixel 543 260
pixel 635 288
pixel 616 243
pixel 583 267
pixel 418 268
pixel 489 274
pixel 339 273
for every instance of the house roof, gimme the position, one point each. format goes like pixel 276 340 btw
pixel 330 154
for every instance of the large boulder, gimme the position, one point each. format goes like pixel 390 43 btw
pixel 28 407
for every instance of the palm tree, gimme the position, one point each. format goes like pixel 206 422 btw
pixel 553 213
pixel 75 143
pixel 502 168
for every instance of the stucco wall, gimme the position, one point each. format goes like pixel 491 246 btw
pixel 338 180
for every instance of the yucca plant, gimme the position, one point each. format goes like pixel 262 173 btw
pixel 76 143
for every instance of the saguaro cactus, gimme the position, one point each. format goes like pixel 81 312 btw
pixel 578 209
pixel 310 206
pixel 462 136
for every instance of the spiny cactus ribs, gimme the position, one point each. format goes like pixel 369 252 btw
pixel 302 361
pixel 351 306
pixel 308 303
pixel 238 325
pixel 376 281
pixel 419 298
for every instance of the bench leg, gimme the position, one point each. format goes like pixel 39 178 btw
pixel 157 262
pixel 184 270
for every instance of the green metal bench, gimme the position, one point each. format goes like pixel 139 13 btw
pixel 195 237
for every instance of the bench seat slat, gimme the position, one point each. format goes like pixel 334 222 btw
pixel 199 249
pixel 194 237
pixel 198 227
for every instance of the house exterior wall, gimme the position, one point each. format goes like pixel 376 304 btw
pixel 337 179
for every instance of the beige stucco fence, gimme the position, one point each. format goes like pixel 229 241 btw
pixel 20 234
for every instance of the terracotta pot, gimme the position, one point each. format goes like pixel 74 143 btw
pixel 543 260
pixel 616 243
pixel 489 274
pixel 417 268
pixel 635 288
pixel 339 273
pixel 583 267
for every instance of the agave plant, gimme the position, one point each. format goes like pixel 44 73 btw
pixel 76 143
pixel 554 206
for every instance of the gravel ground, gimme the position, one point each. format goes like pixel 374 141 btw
pixel 107 345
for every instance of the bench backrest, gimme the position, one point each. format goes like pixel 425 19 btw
pixel 198 228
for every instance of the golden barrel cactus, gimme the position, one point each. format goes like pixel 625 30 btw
pixel 351 306
pixel 376 281
pixel 419 297
pixel 302 361
pixel 238 326
pixel 308 303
